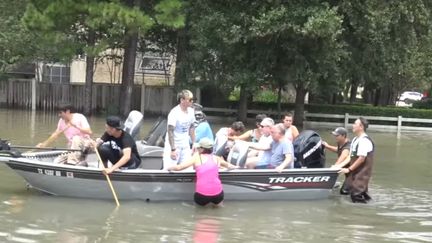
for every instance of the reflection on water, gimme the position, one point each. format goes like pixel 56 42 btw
pixel 400 212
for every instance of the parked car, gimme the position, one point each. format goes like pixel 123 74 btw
pixel 410 96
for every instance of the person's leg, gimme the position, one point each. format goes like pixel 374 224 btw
pixel 201 199
pixel 251 162
pixel 184 155
pixel 107 153
pixel 344 190
pixel 218 199
pixel 77 143
pixel 167 161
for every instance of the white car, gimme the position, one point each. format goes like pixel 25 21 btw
pixel 410 96
pixel 407 98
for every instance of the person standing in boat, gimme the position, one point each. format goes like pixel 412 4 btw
pixel 117 146
pixel 291 131
pixel 77 131
pixel 180 130
pixel 360 162
pixel 208 187
pixel 342 149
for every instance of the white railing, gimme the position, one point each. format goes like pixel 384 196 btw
pixel 346 120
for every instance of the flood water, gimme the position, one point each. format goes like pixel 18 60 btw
pixel 400 212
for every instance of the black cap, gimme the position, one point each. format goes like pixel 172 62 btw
pixel 340 131
pixel 114 122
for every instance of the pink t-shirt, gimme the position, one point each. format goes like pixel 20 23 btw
pixel 78 120
pixel 289 134
pixel 207 181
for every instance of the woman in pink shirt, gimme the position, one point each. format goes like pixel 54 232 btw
pixel 208 187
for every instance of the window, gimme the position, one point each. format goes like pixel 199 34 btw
pixel 155 64
pixel 56 73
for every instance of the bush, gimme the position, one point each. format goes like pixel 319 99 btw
pixel 423 104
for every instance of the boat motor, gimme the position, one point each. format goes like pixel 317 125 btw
pixel 308 150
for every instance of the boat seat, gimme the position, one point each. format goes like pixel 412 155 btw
pixel 156 136
pixel 133 123
pixel 151 156
pixel 238 153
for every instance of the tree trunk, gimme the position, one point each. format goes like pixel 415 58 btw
pixel 90 60
pixel 243 104
pixel 279 99
pixel 128 73
pixel 353 92
pixel 299 105
pixel 180 68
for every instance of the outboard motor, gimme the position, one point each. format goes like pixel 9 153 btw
pixel 133 123
pixel 156 135
pixel 222 146
pixel 6 151
pixel 238 153
pixel 4 145
pixel 308 150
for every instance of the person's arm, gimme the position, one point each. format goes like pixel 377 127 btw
pixel 185 164
pixel 245 136
pixel 330 147
pixel 295 132
pixel 364 147
pixel 260 146
pixel 354 166
pixel 53 136
pixel 288 160
pixel 343 156
pixel 127 152
pixel 344 162
pixel 82 129
pixel 192 133
pixel 225 164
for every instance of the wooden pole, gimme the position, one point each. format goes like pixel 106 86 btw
pixel 108 179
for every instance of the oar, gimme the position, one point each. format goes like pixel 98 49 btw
pixel 108 179
pixel 44 148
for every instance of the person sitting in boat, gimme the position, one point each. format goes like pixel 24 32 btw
pixel 282 151
pixel 224 138
pixel 208 187
pixel 342 149
pixel 77 131
pixel 260 152
pixel 291 131
pixel 252 135
pixel 117 146
pixel 202 127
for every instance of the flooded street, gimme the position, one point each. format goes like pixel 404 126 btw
pixel 401 210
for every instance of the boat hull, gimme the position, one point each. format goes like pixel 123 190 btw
pixel 158 185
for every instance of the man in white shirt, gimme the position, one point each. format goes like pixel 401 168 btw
pixel 180 130
pixel 360 162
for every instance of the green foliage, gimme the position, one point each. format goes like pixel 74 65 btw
pixel 368 110
pixel 423 104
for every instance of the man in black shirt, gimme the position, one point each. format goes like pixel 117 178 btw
pixel 117 146
pixel 342 149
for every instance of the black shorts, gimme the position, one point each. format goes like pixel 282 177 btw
pixel 203 200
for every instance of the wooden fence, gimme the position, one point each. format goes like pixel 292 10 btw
pixel 151 99
pixel 316 120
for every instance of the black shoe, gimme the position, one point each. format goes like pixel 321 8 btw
pixel 344 191
pixel 366 196
pixel 358 198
